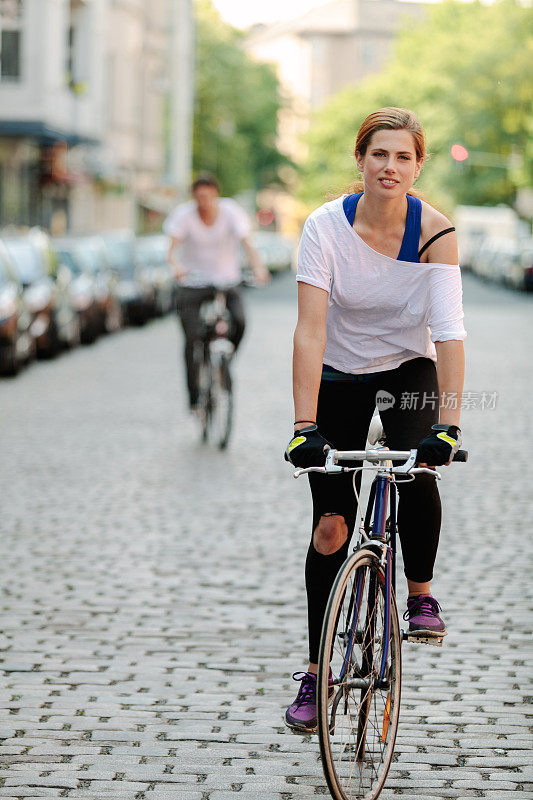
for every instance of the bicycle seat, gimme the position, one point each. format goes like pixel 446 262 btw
pixel 375 431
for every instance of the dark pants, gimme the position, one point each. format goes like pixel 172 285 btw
pixel 343 416
pixel 188 307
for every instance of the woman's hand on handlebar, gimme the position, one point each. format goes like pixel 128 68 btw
pixel 439 446
pixel 306 448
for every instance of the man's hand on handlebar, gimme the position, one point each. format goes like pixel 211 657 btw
pixel 261 276
pixel 178 271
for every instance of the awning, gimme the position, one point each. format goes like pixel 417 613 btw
pixel 43 133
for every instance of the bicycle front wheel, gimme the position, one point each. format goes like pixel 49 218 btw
pixel 358 716
pixel 204 389
pixel 221 407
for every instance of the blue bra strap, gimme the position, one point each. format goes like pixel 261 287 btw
pixel 411 236
pixel 350 204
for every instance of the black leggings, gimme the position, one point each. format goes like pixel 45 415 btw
pixel 188 307
pixel 343 416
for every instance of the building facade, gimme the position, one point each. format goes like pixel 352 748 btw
pixel 324 50
pixel 85 101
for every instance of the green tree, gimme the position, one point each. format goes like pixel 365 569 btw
pixel 236 106
pixel 464 70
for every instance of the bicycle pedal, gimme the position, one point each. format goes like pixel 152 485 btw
pixel 436 641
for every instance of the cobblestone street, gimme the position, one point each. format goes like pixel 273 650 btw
pixel 152 594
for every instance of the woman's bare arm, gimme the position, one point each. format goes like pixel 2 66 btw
pixel 451 376
pixel 309 346
pixel 450 354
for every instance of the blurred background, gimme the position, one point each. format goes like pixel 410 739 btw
pixel 108 108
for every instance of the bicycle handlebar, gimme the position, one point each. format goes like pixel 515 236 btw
pixel 377 456
pixel 461 455
pixel 374 455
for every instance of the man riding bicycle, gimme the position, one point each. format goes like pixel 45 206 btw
pixel 209 229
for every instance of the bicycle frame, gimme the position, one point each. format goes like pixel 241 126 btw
pixel 386 494
pixel 383 495
pixel 383 490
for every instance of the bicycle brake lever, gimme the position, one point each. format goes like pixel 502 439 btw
pixel 330 465
pixel 432 472
pixel 409 464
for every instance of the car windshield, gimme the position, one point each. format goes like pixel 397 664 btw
pixel 121 257
pixel 3 273
pixel 88 258
pixel 143 248
pixel 155 246
pixel 66 257
pixel 26 261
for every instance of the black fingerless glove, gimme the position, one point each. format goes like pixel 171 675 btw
pixel 306 448
pixel 440 446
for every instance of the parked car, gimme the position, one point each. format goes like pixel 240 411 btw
pixel 86 257
pixel 55 322
pixel 520 274
pixel 151 253
pixel 17 346
pixel 476 224
pixel 82 288
pixel 505 259
pixel 134 289
pixel 93 254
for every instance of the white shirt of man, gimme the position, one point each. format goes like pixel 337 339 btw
pixel 210 253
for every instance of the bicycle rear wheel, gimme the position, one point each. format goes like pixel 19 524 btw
pixel 357 731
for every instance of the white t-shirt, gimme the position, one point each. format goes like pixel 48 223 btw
pixel 381 311
pixel 210 253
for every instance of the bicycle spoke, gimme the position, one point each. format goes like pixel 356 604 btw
pixel 357 736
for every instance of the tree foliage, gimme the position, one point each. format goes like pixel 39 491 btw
pixel 236 105
pixel 464 70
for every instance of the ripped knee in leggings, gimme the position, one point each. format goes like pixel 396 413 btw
pixel 330 533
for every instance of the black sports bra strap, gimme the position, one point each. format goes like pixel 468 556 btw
pixel 433 238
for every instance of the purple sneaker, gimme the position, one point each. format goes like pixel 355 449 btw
pixel 301 715
pixel 422 613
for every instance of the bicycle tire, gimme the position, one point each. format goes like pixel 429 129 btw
pixel 221 409
pixel 357 744
pixel 204 390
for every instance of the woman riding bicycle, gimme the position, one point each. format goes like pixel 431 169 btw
pixel 379 319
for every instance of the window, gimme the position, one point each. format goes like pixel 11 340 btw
pixel 369 52
pixel 11 11
pixel 10 39
pixel 78 48
pixel 10 54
